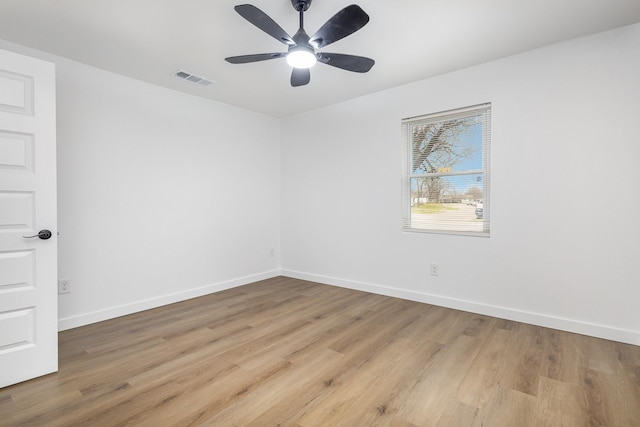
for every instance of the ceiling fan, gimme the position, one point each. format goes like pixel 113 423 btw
pixel 302 51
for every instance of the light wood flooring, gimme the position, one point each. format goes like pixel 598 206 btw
pixel 285 352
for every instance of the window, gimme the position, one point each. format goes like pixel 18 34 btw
pixel 446 172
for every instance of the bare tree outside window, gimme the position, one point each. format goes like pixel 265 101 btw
pixel 438 146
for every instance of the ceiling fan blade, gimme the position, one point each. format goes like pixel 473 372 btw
pixel 243 59
pixel 300 76
pixel 347 21
pixel 264 22
pixel 358 64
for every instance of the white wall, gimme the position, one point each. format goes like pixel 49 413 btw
pixel 162 196
pixel 563 250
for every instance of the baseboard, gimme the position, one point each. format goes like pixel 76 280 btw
pixel 563 324
pixel 134 307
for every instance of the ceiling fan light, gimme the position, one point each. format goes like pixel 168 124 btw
pixel 301 57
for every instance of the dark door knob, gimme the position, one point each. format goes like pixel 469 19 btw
pixel 42 234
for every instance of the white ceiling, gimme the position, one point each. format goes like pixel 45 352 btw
pixel 410 40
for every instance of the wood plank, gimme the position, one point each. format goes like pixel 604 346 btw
pixel 507 408
pixel 436 382
pixel 488 369
pixel 560 404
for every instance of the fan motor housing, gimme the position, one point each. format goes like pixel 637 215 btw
pixel 301 5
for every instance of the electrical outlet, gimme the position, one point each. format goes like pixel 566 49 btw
pixel 435 269
pixel 64 286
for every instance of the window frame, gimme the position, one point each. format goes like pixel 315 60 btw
pixel 408 174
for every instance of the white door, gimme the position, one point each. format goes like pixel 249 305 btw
pixel 28 266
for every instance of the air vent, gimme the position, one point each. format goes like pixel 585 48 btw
pixel 181 74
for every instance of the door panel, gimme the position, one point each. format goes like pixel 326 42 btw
pixel 28 266
pixel 16 210
pixel 17 329
pixel 16 151
pixel 16 91
pixel 16 270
